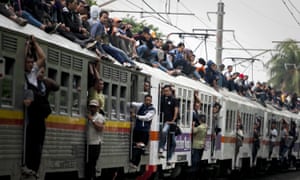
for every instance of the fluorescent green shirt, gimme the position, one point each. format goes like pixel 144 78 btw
pixel 93 94
pixel 199 136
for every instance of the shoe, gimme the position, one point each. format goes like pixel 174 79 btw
pixel 140 145
pixel 50 29
pixel 131 165
pixel 91 45
pixel 137 68
pixel 26 171
pixel 21 21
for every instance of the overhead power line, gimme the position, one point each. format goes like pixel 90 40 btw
pixel 292 14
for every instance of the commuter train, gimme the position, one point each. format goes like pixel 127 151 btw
pixel 65 142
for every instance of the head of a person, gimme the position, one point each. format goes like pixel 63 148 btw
pixel 83 7
pixel 93 106
pixel 72 4
pixel 202 118
pixel 273 125
pixel 197 105
pixel 29 61
pixel 146 33
pixel 221 67
pixel 216 107
pixel 167 90
pixel 104 17
pixel 147 86
pixel 229 68
pixel 98 84
pixel 180 47
pixel 201 61
pixel 148 100
pixel 116 21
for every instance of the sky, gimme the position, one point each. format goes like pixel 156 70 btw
pixel 256 25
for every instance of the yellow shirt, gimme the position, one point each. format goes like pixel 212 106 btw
pixel 93 94
pixel 199 136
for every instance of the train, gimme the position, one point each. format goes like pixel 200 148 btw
pixel 64 151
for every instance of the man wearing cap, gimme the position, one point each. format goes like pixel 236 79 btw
pixel 95 125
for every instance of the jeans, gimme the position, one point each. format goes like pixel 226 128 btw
pixel 31 20
pixel 163 138
pixel 196 158
pixel 117 53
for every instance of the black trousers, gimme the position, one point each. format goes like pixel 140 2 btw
pixel 35 136
pixel 93 155
pixel 138 136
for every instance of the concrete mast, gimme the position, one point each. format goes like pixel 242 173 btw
pixel 219 37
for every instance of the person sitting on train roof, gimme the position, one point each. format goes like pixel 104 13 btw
pixel 127 44
pixel 83 9
pixel 74 30
pixel 23 11
pixel 222 82
pixel 8 11
pixel 99 32
pixel 211 76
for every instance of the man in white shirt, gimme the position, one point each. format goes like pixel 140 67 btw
pixel 273 136
pixel 96 123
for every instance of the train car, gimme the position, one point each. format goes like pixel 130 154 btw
pixel 64 151
pixel 65 140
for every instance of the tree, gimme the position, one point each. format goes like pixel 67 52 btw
pixel 138 26
pixel 285 67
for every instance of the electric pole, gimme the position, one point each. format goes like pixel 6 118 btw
pixel 219 37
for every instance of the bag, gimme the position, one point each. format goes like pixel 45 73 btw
pixel 177 130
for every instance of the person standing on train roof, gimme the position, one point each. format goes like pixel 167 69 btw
pixel 168 114
pixel 96 123
pixel 273 136
pixel 37 105
pixel 143 116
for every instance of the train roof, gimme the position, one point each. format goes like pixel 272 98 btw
pixel 54 39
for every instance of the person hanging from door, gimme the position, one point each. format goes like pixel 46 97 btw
pixel 143 119
pixel 169 114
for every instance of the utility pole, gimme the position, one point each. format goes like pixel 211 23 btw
pixel 219 37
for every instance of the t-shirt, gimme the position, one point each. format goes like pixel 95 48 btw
pixel 274 134
pixel 168 104
pixel 93 94
pixel 95 136
pixel 199 136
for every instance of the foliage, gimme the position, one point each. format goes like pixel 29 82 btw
pixel 138 26
pixel 285 67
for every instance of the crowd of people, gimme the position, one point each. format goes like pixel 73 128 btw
pixel 92 28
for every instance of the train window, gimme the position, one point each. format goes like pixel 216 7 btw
pixel 123 92
pixel 232 118
pixel 76 94
pixel 63 108
pixel 227 125
pixel 2 67
pixel 64 89
pixel 52 74
pixel 122 110
pixel 114 90
pixel 7 83
pixel 114 109
pixel 64 80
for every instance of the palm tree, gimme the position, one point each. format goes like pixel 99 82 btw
pixel 285 67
